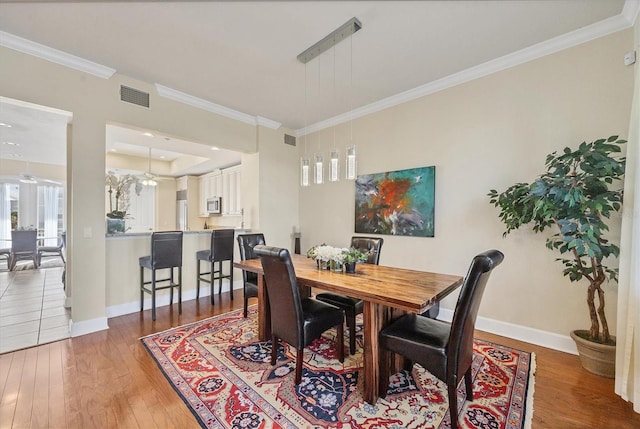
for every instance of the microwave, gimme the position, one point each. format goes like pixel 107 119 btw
pixel 213 205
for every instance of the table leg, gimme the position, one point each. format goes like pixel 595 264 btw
pixel 264 311
pixel 372 316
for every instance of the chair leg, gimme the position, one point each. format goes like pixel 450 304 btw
pixel 62 257
pixel 468 382
pixel 179 290
pixel 213 295
pixel 340 341
pixel 153 295
pixel 171 284
pixel 231 279
pixel 274 349
pixel 141 288
pixel 198 278
pixel 452 387
pixel 299 359
pixel 351 324
pixel 246 303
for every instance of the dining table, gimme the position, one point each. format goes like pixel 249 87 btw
pixel 386 292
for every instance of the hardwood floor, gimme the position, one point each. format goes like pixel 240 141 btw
pixel 108 380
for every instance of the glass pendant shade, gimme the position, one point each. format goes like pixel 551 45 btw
pixel 350 164
pixel 318 176
pixel 305 165
pixel 334 166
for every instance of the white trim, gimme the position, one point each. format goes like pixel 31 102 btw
pixel 218 109
pixel 163 299
pixel 87 326
pixel 38 107
pixel 631 11
pixel 557 44
pixel 550 340
pixel 16 43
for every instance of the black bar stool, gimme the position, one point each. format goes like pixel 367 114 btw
pixel 221 250
pixel 166 252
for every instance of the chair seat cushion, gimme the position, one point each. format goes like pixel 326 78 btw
pixel 203 255
pixel 317 316
pixel 349 305
pixel 420 339
pixel 145 262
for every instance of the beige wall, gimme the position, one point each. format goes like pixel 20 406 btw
pixel 488 134
pixel 94 102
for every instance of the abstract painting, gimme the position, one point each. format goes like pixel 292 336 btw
pixel 396 202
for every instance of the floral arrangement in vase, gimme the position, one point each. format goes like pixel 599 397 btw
pixel 118 189
pixel 327 257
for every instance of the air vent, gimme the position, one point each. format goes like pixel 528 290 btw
pixel 134 96
pixel 290 140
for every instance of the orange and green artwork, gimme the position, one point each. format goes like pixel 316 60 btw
pixel 396 202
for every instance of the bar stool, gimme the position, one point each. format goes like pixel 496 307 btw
pixel 221 250
pixel 166 252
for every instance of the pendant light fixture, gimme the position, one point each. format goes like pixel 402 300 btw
pixel 350 164
pixel 345 30
pixel 149 179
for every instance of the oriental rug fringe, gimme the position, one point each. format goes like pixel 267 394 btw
pixel 223 373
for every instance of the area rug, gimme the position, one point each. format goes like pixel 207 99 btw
pixel 223 373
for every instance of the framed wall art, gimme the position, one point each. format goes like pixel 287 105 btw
pixel 396 202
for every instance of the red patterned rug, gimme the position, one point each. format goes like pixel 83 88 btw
pixel 223 374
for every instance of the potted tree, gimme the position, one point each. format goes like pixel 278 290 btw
pixel 575 198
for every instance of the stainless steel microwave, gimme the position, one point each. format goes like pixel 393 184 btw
pixel 213 205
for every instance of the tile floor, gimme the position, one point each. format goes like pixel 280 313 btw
pixel 32 308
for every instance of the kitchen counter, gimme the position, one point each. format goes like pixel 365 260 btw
pixel 123 270
pixel 190 232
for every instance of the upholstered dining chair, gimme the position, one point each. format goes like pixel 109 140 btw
pixel 23 246
pixel 352 306
pixel 220 250
pixel 295 320
pixel 166 253
pixel 246 243
pixel 52 250
pixel 442 348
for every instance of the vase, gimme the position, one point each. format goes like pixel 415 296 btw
pixel 115 226
pixel 335 266
pixel 322 265
pixel 350 267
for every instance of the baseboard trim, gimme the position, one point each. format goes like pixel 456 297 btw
pixel 163 299
pixel 77 329
pixel 550 340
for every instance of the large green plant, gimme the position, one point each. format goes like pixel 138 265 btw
pixel 574 196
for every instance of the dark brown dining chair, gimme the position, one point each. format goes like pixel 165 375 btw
pixel 295 320
pixel 24 245
pixel 166 253
pixel 442 348
pixel 352 306
pixel 220 250
pixel 246 243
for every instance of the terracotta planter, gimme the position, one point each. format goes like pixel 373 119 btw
pixel 597 358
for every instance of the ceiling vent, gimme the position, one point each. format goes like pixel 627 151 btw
pixel 290 140
pixel 134 96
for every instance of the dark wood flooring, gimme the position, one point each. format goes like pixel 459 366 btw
pixel 108 380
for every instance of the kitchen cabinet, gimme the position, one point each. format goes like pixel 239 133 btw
pixel 225 184
pixel 231 191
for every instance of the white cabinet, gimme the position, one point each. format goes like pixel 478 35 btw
pixel 231 191
pixel 181 183
pixel 205 192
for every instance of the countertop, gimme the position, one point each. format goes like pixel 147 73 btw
pixel 190 232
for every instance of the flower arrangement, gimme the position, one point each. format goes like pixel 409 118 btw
pixel 352 254
pixel 118 188
pixel 325 253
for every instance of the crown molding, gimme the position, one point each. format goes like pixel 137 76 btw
pixel 218 109
pixel 55 56
pixel 557 44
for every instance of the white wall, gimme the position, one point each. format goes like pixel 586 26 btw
pixel 488 134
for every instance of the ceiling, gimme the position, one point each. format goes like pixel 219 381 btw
pixel 242 55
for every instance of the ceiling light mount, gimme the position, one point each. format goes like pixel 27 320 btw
pixel 332 39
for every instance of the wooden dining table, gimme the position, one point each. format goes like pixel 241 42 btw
pixel 387 293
